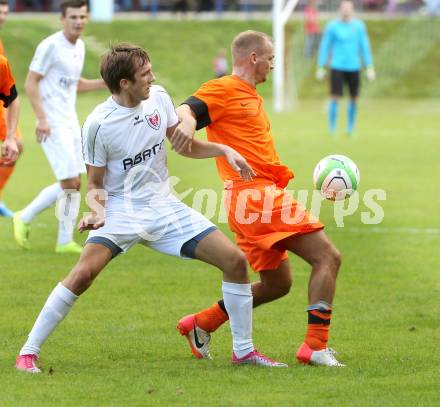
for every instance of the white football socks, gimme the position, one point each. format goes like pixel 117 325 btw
pixel 57 306
pixel 67 213
pixel 237 299
pixel 46 198
pixel 238 303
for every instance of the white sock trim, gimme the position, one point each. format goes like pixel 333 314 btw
pixel 237 289
pixel 68 296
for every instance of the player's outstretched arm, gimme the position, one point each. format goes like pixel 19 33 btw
pixel 9 147
pixel 204 149
pixel 87 85
pixel 42 129
pixel 96 199
pixel 182 136
pixel 365 47
pixel 325 47
pixel 9 99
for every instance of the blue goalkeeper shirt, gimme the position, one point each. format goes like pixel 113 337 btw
pixel 345 46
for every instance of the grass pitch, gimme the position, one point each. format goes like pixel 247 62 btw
pixel 119 345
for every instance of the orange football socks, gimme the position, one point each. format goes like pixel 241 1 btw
pixel 318 328
pixel 211 318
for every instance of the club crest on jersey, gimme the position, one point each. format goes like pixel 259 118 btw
pixel 153 120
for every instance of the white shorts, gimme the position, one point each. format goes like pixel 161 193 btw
pixel 165 227
pixel 63 149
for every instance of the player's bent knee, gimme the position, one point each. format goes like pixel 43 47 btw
pixel 238 260
pixel 76 185
pixel 332 260
pixel 329 258
pixel 338 259
pixel 276 283
pixel 71 184
pixel 283 288
pixel 335 259
pixel 278 291
pixel 236 264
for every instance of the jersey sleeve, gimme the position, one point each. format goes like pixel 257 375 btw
pixel 8 91
pixel 324 47
pixel 43 58
pixel 94 151
pixel 365 46
pixel 208 103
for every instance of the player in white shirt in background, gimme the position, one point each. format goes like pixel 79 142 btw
pixel 131 202
pixel 52 83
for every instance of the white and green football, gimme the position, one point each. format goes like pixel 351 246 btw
pixel 336 177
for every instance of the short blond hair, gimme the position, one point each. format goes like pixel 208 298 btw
pixel 247 42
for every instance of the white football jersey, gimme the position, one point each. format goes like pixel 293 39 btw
pixel 60 63
pixel 130 143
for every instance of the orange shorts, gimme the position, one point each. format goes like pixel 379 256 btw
pixel 261 215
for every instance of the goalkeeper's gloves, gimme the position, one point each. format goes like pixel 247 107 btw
pixel 371 74
pixel 320 73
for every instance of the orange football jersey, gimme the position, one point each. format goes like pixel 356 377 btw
pixel 236 117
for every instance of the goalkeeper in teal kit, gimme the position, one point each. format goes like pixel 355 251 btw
pixel 345 48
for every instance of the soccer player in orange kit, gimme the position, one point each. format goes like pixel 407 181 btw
pixel 6 168
pixel 232 112
pixel 8 99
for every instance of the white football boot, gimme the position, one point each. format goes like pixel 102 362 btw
pixel 197 337
pixel 324 357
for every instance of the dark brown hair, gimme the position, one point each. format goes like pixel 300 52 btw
pixel 121 62
pixel 71 3
pixel 4 3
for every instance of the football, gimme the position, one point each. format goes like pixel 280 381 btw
pixel 336 177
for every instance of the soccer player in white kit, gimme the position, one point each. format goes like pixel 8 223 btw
pixel 52 83
pixel 131 202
